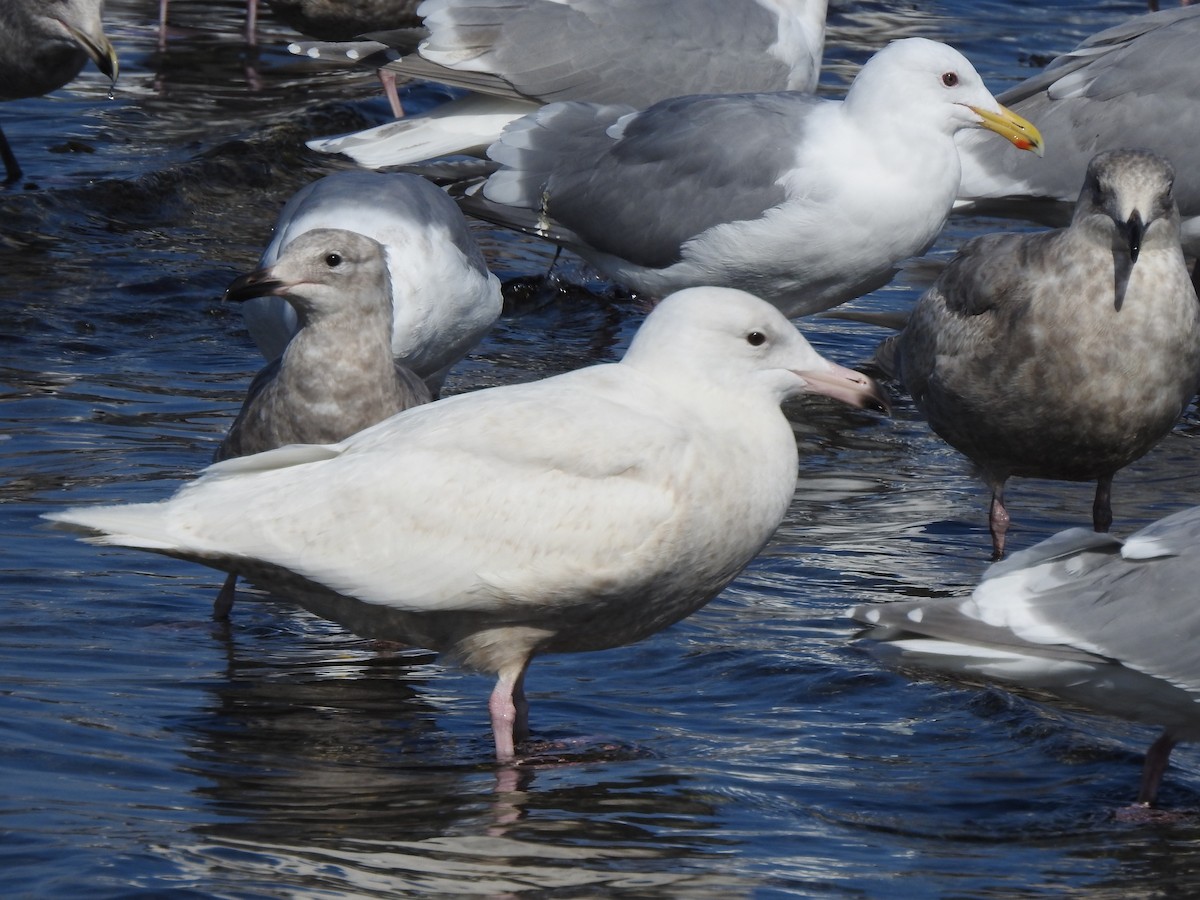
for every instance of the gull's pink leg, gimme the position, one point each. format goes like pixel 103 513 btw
pixel 387 78
pixel 162 24
pixel 509 711
pixel 252 22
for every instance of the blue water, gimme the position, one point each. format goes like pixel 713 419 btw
pixel 752 750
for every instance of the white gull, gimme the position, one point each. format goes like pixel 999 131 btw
pixel 580 512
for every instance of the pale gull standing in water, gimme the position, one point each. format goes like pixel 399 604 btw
pixel 580 512
pixel 804 202
pixel 337 375
pixel 444 298
pixel 43 45
pixel 1065 354
pixel 514 55
pixel 1109 624
pixel 1133 85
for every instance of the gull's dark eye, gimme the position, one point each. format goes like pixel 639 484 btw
pixel 756 338
pixel 333 260
pixel 949 79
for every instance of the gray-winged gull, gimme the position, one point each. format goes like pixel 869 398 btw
pixel 1133 85
pixel 337 375
pixel 445 299
pixel 43 45
pixel 580 512
pixel 514 55
pixel 1064 354
pixel 804 202
pixel 1098 621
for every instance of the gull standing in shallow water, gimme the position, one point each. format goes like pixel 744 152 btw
pixel 43 45
pixel 337 376
pixel 1110 624
pixel 1065 354
pixel 580 512
pixel 444 298
pixel 515 55
pixel 1133 85
pixel 804 202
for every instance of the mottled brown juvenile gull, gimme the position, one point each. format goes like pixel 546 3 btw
pixel 337 374
pixel 514 55
pixel 1133 85
pixel 444 298
pixel 804 202
pixel 1065 354
pixel 43 45
pixel 580 512
pixel 1109 624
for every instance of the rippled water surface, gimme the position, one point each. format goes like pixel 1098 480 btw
pixel 751 750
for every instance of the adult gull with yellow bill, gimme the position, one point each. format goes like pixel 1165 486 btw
pixel 804 202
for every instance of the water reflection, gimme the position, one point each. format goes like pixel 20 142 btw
pixel 324 767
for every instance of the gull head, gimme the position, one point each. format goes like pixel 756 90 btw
pixel 1127 194
pixel 323 272
pixel 932 85
pixel 711 337
pixel 81 21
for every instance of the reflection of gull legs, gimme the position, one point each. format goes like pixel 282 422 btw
pixel 251 23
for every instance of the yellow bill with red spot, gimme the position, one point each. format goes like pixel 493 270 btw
pixel 1020 131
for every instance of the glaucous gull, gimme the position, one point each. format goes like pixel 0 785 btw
pixel 581 512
